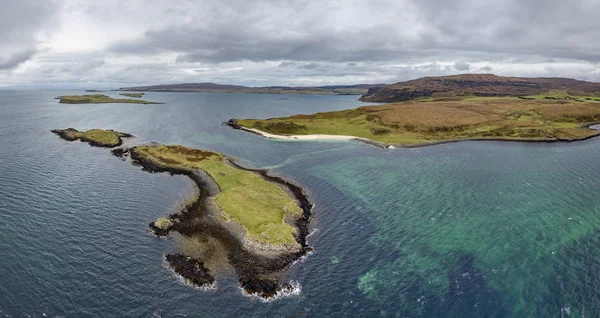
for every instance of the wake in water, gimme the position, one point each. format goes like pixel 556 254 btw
pixel 302 157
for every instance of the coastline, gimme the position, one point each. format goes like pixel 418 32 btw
pixel 317 137
pixel 258 271
pixel 296 191
pixel 65 135
pixel 259 267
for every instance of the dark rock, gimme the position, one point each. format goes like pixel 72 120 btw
pixel 191 269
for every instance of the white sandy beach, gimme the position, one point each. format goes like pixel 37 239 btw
pixel 301 137
pixel 313 137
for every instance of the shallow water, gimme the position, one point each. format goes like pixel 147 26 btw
pixel 469 229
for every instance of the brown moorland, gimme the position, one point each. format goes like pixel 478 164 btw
pixel 557 116
pixel 476 85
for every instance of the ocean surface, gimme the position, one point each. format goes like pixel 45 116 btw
pixel 472 229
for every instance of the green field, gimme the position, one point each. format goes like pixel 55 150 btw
pixel 97 137
pixel 134 95
pixel 554 116
pixel 260 206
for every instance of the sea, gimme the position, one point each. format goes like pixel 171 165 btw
pixel 469 229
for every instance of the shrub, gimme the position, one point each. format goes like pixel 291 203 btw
pixel 380 131
pixel 373 118
pixel 288 127
pixel 410 127
pixel 440 129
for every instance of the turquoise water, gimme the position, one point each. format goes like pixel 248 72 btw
pixel 473 229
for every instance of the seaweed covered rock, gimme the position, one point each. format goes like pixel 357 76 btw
pixel 191 269
pixel 161 226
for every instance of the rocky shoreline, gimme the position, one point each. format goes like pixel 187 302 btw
pixel 258 273
pixel 298 193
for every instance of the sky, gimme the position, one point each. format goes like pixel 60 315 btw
pixel 114 43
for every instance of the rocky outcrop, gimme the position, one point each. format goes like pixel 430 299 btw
pixel 191 269
pixel 161 226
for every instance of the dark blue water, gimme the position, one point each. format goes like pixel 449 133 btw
pixel 463 230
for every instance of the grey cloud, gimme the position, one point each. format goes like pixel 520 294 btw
pixel 288 64
pixel 543 28
pixel 302 65
pixel 20 22
pixel 461 66
pixel 442 29
pixel 269 42
pixel 201 45
pixel 16 59
pixel 80 67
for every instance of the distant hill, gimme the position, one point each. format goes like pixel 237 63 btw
pixel 218 88
pixel 476 85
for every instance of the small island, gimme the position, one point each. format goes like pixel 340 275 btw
pixel 554 116
pixel 257 222
pixel 95 137
pixel 358 89
pixel 98 99
pixel 133 95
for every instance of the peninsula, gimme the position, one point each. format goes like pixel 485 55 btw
pixel 256 222
pixel 358 89
pixel 98 99
pixel 555 115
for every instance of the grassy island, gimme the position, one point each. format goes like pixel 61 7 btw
pixel 134 95
pixel 261 207
pixel 95 137
pixel 255 222
pixel 99 99
pixel 554 116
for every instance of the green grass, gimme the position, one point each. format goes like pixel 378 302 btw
pixel 101 137
pixel 432 120
pixel 565 95
pixel 260 206
pixel 99 99
pixel 134 95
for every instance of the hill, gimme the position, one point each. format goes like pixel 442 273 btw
pixel 219 88
pixel 476 85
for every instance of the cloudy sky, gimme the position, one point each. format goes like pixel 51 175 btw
pixel 111 43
